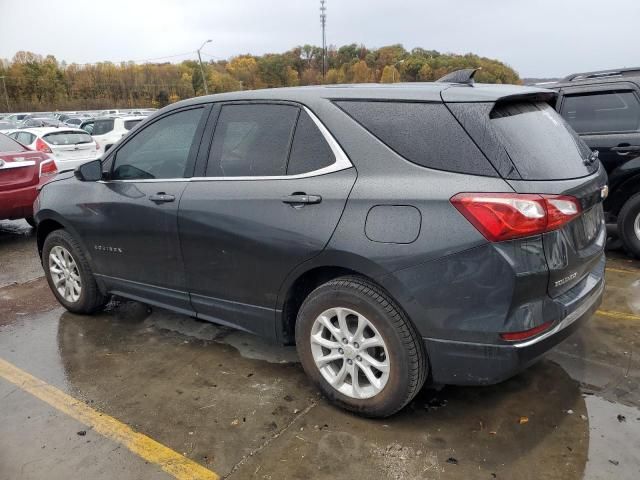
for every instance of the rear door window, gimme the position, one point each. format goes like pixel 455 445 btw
pixel 309 151
pixel 539 142
pixel 101 127
pixel 252 140
pixel 426 134
pixel 599 112
pixel 129 124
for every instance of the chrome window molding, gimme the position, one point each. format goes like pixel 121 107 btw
pixel 18 164
pixel 342 162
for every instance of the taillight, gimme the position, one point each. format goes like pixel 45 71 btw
pixel 47 168
pixel 42 147
pixel 97 145
pixel 504 216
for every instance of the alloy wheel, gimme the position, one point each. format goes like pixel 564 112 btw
pixel 65 274
pixel 350 353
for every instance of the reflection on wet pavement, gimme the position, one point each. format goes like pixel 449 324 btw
pixel 242 406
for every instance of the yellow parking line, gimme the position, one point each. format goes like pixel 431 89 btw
pixel 618 315
pixel 171 462
pixel 622 270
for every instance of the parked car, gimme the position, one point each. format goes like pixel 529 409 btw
pixel 15 118
pixel 107 131
pixel 22 174
pixel 74 121
pixel 38 116
pixel 444 231
pixel 40 122
pixel 69 147
pixel 604 108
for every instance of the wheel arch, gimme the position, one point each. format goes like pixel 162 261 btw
pixel 308 276
pixel 623 192
pixel 49 221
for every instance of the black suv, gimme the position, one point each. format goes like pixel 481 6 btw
pixel 446 231
pixel 604 108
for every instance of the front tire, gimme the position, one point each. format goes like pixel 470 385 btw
pixel 69 274
pixel 629 225
pixel 357 345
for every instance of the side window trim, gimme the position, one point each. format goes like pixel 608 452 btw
pixel 195 146
pixel 342 161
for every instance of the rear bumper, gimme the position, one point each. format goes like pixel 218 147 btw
pixel 18 203
pixel 466 363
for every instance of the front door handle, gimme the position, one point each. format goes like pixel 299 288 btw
pixel 301 199
pixel 162 197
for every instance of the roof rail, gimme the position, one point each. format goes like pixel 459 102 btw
pixel 460 76
pixel 601 74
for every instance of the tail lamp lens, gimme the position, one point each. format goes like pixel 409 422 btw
pixel 41 146
pixel 48 168
pixel 505 216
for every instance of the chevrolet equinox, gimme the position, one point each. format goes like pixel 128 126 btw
pixel 443 232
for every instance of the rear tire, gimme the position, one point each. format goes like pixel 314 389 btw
pixel 629 225
pixel 69 274
pixel 371 317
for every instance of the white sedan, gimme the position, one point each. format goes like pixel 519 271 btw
pixel 69 147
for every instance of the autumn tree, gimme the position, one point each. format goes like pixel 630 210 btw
pixel 35 82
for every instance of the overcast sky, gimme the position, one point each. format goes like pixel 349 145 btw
pixel 539 38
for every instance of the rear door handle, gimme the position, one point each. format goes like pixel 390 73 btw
pixel 301 199
pixel 162 197
pixel 624 149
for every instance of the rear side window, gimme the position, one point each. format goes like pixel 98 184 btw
pixel 8 145
pixel 252 140
pixel 423 133
pixel 100 127
pixel 67 138
pixel 309 151
pixel 129 124
pixel 539 142
pixel 602 112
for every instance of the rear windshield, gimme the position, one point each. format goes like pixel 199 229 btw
pixel 129 124
pixel 541 145
pixel 100 127
pixel 9 145
pixel 67 138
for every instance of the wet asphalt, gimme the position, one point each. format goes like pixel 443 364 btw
pixel 243 408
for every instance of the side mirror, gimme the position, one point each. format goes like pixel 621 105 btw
pixel 90 171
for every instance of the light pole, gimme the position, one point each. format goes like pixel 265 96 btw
pixel 394 70
pixel 6 94
pixel 204 80
pixel 323 22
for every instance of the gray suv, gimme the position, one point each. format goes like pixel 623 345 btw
pixel 397 234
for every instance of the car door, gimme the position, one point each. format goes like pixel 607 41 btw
pixel 268 200
pixel 607 117
pixel 131 226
